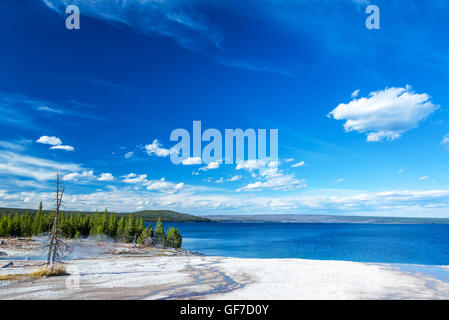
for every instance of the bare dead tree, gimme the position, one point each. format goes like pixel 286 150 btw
pixel 56 247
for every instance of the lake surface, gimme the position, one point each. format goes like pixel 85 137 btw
pixel 389 243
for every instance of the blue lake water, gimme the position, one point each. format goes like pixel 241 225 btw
pixel 388 243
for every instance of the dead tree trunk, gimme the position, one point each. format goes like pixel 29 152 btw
pixel 55 245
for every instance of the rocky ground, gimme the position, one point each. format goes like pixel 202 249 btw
pixel 106 270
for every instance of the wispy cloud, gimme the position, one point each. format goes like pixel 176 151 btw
pixel 163 186
pixel 430 203
pixel 268 176
pixel 445 141
pixel 173 19
pixel 255 66
pixel 48 109
pixel 250 165
pixel 340 180
pixel 14 110
pixel 234 178
pixel 63 147
pixel 15 164
pixel 128 154
pixel 355 94
pixel 188 23
pixel 20 110
pixel 156 148
pixel 299 164
pixel 36 171
pixel 18 145
pixel 75 176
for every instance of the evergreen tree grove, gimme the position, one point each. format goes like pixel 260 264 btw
pixel 124 228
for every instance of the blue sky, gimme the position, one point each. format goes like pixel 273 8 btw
pixel 362 114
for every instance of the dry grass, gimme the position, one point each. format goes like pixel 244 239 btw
pixel 58 270
pixel 13 277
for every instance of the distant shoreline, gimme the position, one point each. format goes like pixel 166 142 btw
pixel 151 216
pixel 305 218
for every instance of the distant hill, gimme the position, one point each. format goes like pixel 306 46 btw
pixel 148 215
pixel 305 218
pixel 169 216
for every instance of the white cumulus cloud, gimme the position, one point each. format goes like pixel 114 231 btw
pixel 385 114
pixel 133 178
pixel 106 177
pixel 211 166
pixel 54 141
pixel 191 161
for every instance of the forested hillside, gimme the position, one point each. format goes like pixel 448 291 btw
pixel 147 215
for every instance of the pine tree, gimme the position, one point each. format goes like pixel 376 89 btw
pixel 140 225
pixel 146 234
pixel 94 224
pixel 150 231
pixel 103 223
pixel 72 227
pixel 130 229
pixel 3 226
pixel 25 225
pixel 120 228
pixel 37 223
pixel 14 226
pixel 174 238
pixel 84 224
pixel 159 232
pixel 111 229
pixel 143 236
pixel 46 223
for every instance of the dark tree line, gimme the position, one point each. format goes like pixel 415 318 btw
pixel 125 228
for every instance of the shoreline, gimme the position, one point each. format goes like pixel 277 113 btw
pixel 153 273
